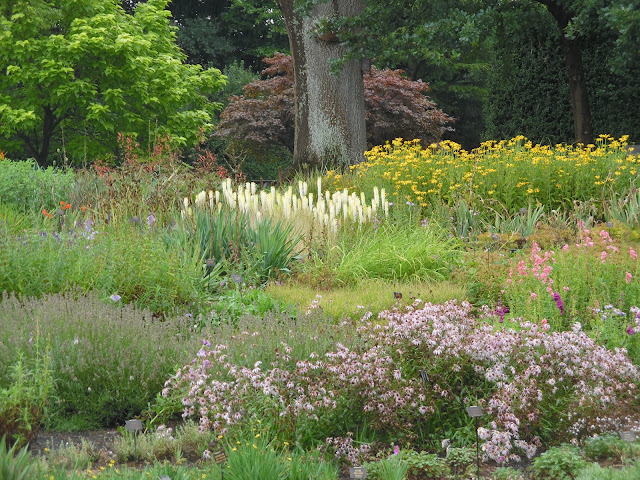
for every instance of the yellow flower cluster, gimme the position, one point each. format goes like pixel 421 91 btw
pixel 513 172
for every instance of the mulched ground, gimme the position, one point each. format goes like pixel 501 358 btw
pixel 101 439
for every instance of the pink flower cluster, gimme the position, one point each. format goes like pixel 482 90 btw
pixel 528 378
pixel 345 449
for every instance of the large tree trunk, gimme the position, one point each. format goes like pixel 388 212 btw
pixel 39 150
pixel 583 129
pixel 329 120
pixel 578 90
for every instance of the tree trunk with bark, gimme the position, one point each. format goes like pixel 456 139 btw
pixel 329 118
pixel 583 130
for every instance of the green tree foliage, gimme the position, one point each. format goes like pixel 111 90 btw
pixel 395 107
pixel 223 32
pixel 75 73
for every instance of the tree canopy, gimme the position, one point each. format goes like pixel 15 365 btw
pixel 77 72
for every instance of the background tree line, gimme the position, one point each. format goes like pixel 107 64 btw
pixel 498 68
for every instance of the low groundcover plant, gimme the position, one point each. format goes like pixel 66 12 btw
pixel 534 385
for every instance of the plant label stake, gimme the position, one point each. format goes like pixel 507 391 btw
pixel 629 437
pixel 357 472
pixel 476 412
pixel 238 279
pixel 209 263
pixel 424 378
pixel 134 426
pixel 220 457
pixel 164 477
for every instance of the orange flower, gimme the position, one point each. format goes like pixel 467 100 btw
pixel 62 203
pixel 83 209
pixel 46 214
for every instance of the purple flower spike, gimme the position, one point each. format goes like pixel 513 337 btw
pixel 559 304
pixel 206 343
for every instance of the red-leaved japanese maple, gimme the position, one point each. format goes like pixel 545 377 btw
pixel 395 107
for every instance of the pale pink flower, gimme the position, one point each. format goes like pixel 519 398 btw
pixel 628 277
pixel 633 253
pixel 533 295
pixel 603 257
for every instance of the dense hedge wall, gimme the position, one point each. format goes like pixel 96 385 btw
pixel 527 86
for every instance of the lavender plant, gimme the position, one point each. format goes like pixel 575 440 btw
pixel 107 361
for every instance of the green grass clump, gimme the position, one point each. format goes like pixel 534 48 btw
pixel 15 464
pixel 391 252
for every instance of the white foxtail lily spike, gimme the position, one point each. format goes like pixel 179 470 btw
pixel 324 208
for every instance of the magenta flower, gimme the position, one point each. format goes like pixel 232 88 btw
pixel 396 450
pixel 559 304
pixel 630 330
pixel 501 310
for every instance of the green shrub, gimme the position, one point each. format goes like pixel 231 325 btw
pixel 604 447
pixel 258 251
pixel 29 187
pixel 23 403
pixel 309 466
pixel 560 463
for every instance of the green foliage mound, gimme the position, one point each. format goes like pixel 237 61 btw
pixel 26 187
